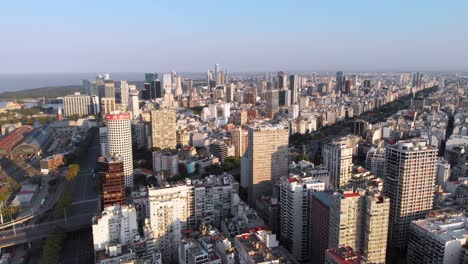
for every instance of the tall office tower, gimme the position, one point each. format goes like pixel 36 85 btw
pixel 76 104
pixel 167 83
pixel 347 86
pixel 119 141
pixel 339 81
pixel 281 81
pixel 95 106
pixel 158 91
pixel 208 79
pixel 229 97
pixel 116 225
pixel 216 69
pixel 107 89
pixel 272 103
pixel 267 159
pixel 150 77
pixel 111 176
pixel 440 238
pixel 409 182
pixel 107 105
pixel 295 195
pixel 124 90
pixel 239 139
pixel 294 88
pixel 171 211
pixel 219 78
pixel 86 87
pixel 178 86
pixel 338 159
pixel 103 142
pixel 134 104
pixel 163 128
pixel 366 83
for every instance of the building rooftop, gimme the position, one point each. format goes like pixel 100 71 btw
pixel 445 224
pixel 344 255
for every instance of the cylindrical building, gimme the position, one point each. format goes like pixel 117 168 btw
pixel 119 141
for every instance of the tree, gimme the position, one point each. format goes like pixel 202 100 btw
pixel 73 170
pixel 183 170
pixel 302 157
pixel 53 246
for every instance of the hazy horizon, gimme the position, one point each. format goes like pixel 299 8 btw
pixel 242 36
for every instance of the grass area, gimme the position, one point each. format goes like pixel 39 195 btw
pixel 48 92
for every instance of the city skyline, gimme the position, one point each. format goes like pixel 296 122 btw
pixel 241 36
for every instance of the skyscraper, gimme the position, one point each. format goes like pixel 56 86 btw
pixel 272 103
pixel 282 78
pixel 339 81
pixel 124 93
pixel 267 159
pixel 410 176
pixel 107 105
pixel 163 128
pixel 119 141
pixel 338 159
pixel 294 88
pixel 134 105
pixel 167 83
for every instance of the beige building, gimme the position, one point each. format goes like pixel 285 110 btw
pixel 267 159
pixel 360 220
pixel 76 104
pixel 239 139
pixel 163 129
pixel 108 105
pixel 410 176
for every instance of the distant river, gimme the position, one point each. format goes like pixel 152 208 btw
pixel 29 105
pixel 16 82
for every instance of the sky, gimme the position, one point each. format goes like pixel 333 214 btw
pixel 51 36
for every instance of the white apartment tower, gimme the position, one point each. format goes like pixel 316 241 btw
pixel 134 105
pixel 410 176
pixel 119 141
pixel 116 224
pixel 338 159
pixel 295 196
pixel 76 104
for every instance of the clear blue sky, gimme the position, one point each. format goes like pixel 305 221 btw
pixel 255 35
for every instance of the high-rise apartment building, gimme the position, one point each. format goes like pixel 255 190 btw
pixel 163 128
pixel 295 196
pixel 186 206
pixel 119 141
pixel 166 161
pixel 267 159
pixel 409 183
pixel 112 179
pixel 116 225
pixel 124 89
pixel 134 104
pixel 76 104
pixel 338 159
pixel 360 220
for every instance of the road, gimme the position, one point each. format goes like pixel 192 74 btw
pixel 29 233
pixel 85 194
